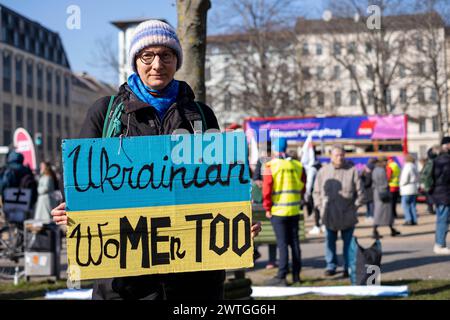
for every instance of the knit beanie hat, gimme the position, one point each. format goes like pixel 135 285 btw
pixel 154 33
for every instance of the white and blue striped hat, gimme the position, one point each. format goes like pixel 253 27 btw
pixel 154 33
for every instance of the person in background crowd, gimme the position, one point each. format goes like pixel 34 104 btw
pixel 428 201
pixel 393 176
pixel 441 196
pixel 311 174
pixel 383 214
pixel 409 187
pixel 338 193
pixel 283 188
pixel 17 175
pixel 366 177
pixel 48 183
pixel 258 181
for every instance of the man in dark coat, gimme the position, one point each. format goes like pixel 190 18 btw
pixel 441 196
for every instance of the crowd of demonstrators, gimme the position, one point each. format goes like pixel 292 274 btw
pixel 409 189
pixel 382 197
pixel 284 182
pixel 155 104
pixel 393 176
pixel 366 178
pixel 440 195
pixel 338 193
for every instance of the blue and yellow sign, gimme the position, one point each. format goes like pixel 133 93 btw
pixel 157 204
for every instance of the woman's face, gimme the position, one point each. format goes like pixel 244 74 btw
pixel 156 66
pixel 42 167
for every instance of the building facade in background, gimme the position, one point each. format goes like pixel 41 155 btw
pixel 38 90
pixel 342 68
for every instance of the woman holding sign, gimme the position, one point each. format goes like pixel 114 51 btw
pixel 152 102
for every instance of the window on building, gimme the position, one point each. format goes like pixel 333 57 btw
pixel 401 70
pixel 307 99
pixel 388 99
pixel 7 72
pixel 306 73
pixel 49 86
pixel 30 120
pixel 30 80
pixel 336 72
pixel 320 71
pixel 58 124
pixel 422 125
pixel 337 98
pixel 40 121
pixel 352 71
pixel 66 91
pixel 49 122
pixel 435 123
pixel 19 80
pixel 58 89
pixel 19 117
pixel 319 49
pixel 7 124
pixel 419 44
pixel 39 82
pixel 320 99
pixel 420 69
pixel 227 102
pixel 403 96
pixel 369 72
pixel 207 73
pixel 337 48
pixel 369 47
pixel 305 49
pixel 370 97
pixel 421 95
pixel 351 48
pixel 433 96
pixel 353 98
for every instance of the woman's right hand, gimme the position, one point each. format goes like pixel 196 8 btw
pixel 59 214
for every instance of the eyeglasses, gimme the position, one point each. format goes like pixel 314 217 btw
pixel 147 57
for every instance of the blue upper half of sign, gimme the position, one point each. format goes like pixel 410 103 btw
pixel 151 171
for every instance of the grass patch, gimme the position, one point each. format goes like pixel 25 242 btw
pixel 32 290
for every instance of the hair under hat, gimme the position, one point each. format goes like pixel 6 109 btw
pixel 154 33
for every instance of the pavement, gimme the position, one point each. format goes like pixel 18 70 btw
pixel 408 256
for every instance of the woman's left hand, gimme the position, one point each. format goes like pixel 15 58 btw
pixel 256 229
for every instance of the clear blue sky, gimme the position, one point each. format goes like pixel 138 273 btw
pixel 96 16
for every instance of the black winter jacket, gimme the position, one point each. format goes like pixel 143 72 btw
pixel 140 119
pixel 441 178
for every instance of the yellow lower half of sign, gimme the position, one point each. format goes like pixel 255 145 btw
pixel 159 240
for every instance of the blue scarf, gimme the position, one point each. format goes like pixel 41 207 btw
pixel 160 100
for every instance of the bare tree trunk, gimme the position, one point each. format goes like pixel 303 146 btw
pixel 192 16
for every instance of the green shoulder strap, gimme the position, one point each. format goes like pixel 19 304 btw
pixel 112 126
pixel 108 117
pixel 200 109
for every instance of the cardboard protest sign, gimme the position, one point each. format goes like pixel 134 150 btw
pixel 157 204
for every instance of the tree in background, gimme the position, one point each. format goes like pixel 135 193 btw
pixel 192 19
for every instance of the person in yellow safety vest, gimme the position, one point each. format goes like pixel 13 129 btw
pixel 393 174
pixel 284 183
